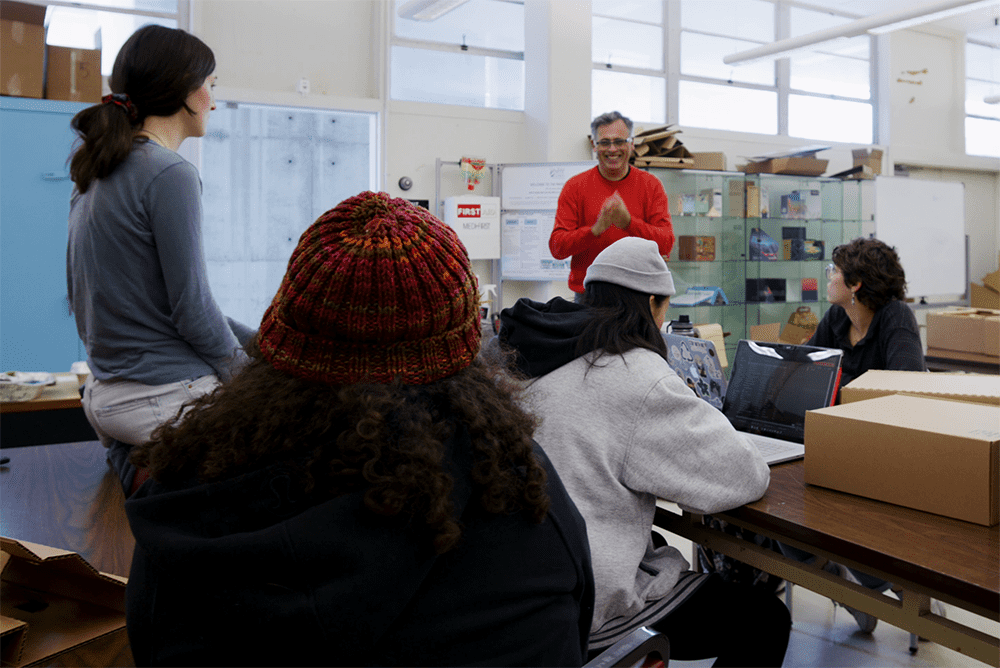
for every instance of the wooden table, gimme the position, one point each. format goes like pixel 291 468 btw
pixel 66 496
pixel 54 416
pixel 927 556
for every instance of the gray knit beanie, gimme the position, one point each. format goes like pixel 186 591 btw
pixel 633 263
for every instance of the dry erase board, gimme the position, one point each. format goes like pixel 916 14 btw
pixel 925 222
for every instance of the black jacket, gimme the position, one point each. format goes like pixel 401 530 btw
pixel 248 571
pixel 545 335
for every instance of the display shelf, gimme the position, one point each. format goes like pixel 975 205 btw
pixel 794 221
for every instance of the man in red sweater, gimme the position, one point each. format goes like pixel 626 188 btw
pixel 607 203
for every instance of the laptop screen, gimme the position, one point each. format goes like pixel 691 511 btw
pixel 772 385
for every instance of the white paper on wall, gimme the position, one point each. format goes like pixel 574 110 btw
pixel 476 220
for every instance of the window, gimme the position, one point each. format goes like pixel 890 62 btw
pixel 712 94
pixel 641 49
pixel 106 28
pixel 627 49
pixel 267 174
pixel 982 82
pixel 473 56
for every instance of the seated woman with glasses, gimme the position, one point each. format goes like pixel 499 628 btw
pixel 871 323
pixel 868 318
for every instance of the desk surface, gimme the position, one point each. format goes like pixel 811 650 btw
pixel 957 556
pixel 926 556
pixel 64 394
pixel 67 496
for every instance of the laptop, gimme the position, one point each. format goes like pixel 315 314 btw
pixel 697 363
pixel 771 386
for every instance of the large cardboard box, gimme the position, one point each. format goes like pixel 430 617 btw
pixel 934 455
pixel 965 330
pixel 58 610
pixel 799 166
pixel 22 49
pixel 715 161
pixel 977 388
pixel 73 74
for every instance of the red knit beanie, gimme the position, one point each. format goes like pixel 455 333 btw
pixel 377 289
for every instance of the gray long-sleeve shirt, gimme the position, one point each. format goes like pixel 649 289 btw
pixel 136 275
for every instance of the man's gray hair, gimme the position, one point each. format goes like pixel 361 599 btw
pixel 608 119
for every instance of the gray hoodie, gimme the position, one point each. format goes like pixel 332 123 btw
pixel 621 435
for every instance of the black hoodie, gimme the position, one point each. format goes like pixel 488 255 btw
pixel 250 571
pixel 545 335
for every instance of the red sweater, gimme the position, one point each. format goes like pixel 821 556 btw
pixel 579 204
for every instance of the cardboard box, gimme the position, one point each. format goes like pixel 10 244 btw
pixel 774 333
pixel 696 248
pixel 73 74
pixel 870 159
pixel 992 281
pixel 981 296
pixel 799 166
pixel 738 191
pixel 22 49
pixel 965 330
pixel 58 610
pixel 934 455
pixel 981 389
pixel 711 161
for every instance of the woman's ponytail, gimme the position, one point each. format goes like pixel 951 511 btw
pixel 106 132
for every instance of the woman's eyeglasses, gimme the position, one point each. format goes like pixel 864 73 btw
pixel 831 269
pixel 617 143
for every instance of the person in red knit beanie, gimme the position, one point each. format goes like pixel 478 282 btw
pixel 609 202
pixel 366 491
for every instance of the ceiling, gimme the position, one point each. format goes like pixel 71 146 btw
pixel 980 24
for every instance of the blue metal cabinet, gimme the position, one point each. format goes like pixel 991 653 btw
pixel 37 332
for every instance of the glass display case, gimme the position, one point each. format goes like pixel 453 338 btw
pixel 753 249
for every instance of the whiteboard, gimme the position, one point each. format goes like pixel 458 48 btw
pixel 925 222
pixel 536 187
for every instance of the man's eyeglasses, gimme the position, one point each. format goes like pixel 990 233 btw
pixel 831 269
pixel 617 143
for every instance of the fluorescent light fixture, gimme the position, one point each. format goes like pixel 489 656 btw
pixel 428 10
pixel 904 18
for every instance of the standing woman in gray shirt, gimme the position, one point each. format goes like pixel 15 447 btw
pixel 135 266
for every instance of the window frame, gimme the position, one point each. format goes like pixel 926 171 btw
pixel 671 68
pixel 428 45
pixel 966 114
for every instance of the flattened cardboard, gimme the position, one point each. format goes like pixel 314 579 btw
pixel 73 614
pixel 934 455
pixel 965 330
pixel 982 296
pixel 992 281
pixel 976 388
pixel 22 49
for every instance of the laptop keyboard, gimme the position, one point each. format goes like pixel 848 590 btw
pixel 773 448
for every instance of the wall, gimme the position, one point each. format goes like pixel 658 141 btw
pixel 263 49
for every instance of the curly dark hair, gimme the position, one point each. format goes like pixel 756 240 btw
pixel 388 441
pixel 620 321
pixel 876 266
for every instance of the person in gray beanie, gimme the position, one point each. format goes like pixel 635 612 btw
pixel 623 430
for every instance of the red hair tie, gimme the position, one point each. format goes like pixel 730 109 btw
pixel 123 101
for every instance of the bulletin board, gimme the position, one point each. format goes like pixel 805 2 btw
pixel 529 196
pixel 925 222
